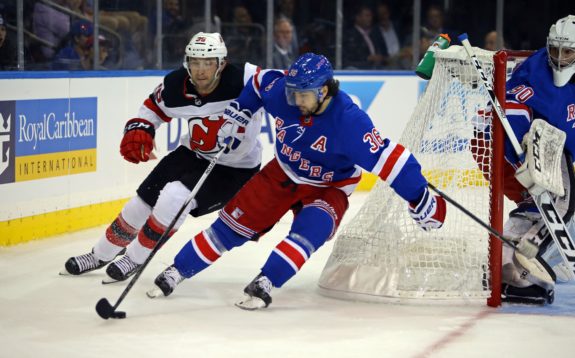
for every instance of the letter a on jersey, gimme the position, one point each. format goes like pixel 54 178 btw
pixel 319 144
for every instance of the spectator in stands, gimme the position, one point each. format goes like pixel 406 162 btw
pixel 435 23
pixel 115 23
pixel 172 18
pixel 8 54
pixel 77 55
pixel 386 27
pixel 318 36
pixel 119 23
pixel 245 40
pixel 286 8
pixel 405 61
pixel 51 25
pixel 174 32
pixel 490 42
pixel 104 52
pixel 363 47
pixel 134 29
pixel 283 55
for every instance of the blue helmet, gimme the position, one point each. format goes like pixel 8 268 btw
pixel 308 73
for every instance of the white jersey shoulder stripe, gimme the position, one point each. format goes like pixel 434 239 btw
pixel 249 71
pixel 398 166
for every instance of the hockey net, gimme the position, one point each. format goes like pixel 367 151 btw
pixel 382 254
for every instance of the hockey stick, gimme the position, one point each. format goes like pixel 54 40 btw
pixel 103 307
pixel 544 202
pixel 528 250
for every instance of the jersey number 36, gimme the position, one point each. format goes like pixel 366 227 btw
pixel 374 139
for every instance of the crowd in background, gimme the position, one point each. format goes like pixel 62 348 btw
pixel 377 35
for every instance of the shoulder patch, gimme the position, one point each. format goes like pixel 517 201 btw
pixel 270 85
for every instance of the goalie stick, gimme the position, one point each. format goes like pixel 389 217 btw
pixel 544 202
pixel 103 307
pixel 529 250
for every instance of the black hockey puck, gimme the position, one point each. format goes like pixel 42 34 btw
pixel 119 314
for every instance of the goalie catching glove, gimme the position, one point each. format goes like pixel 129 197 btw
pixel 233 131
pixel 541 170
pixel 429 212
pixel 138 140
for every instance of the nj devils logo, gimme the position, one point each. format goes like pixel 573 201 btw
pixel 204 133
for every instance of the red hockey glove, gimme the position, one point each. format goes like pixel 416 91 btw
pixel 138 140
pixel 429 212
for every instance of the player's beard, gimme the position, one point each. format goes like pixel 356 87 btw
pixel 308 112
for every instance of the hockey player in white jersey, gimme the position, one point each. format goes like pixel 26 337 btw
pixel 540 96
pixel 198 92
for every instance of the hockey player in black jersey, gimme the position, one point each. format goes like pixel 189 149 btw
pixel 199 91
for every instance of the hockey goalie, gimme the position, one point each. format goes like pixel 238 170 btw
pixel 540 106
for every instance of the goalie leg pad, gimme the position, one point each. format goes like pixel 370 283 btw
pixel 527 281
pixel 311 228
pixel 538 236
pixel 566 207
pixel 520 221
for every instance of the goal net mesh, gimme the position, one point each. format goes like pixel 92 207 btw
pixel 382 253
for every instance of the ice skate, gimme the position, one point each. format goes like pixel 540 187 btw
pixel 520 221
pixel 78 265
pixel 166 282
pixel 533 294
pixel 257 294
pixel 120 270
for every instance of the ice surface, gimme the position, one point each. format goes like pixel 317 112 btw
pixel 43 314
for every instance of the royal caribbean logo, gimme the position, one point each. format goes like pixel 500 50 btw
pixel 6 142
pixel 47 137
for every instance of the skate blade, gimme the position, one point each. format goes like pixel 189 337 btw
pixel 154 293
pixel 109 280
pixel 64 273
pixel 250 303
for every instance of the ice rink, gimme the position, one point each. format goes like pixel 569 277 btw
pixel 43 314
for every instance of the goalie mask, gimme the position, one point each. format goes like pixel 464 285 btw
pixel 206 45
pixel 561 50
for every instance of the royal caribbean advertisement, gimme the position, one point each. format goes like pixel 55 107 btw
pixel 43 138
